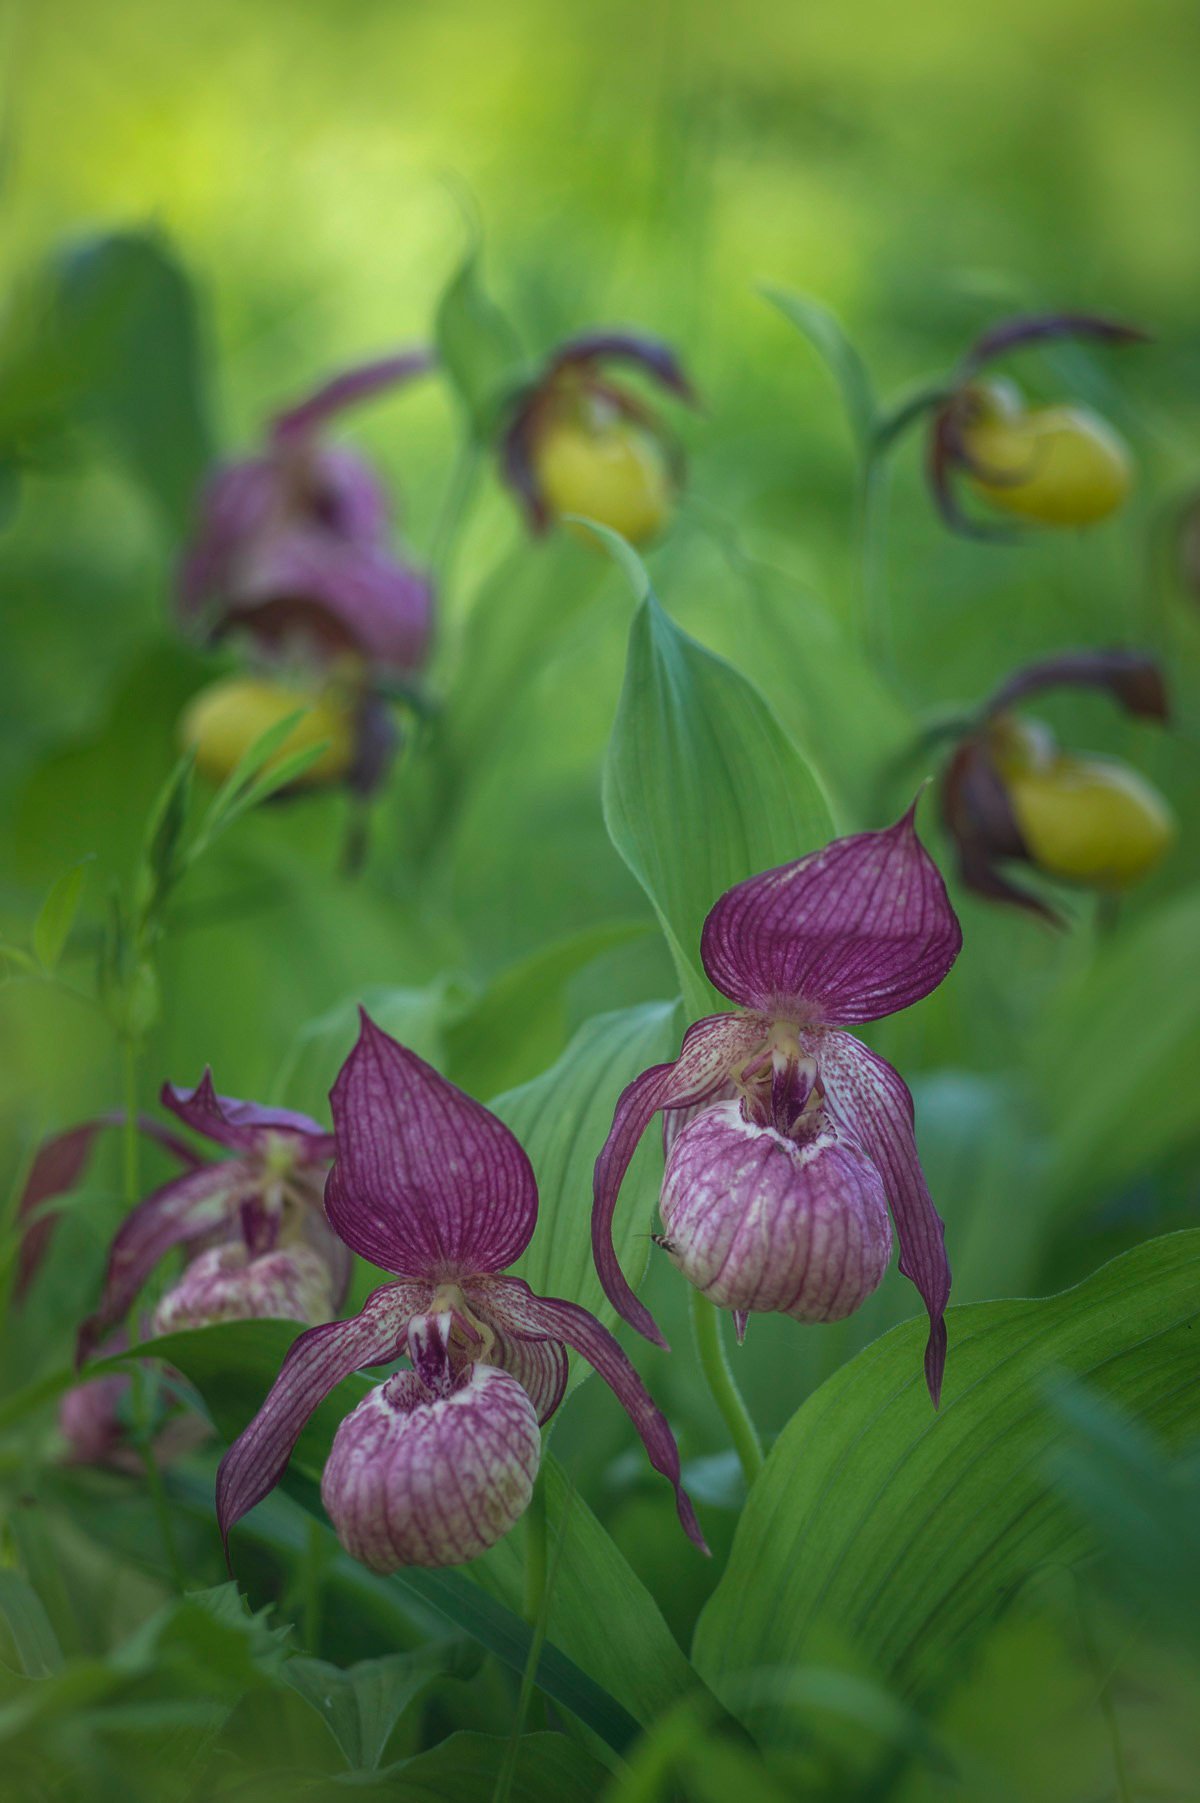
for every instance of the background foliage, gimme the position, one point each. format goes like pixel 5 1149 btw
pixel 231 202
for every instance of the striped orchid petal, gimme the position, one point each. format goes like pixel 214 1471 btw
pixel 180 1213
pixel 873 1101
pixel 515 1308
pixel 852 932
pixel 710 1050
pixel 245 1126
pixel 426 1182
pixel 316 1363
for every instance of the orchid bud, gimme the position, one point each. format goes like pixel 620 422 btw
pixel 1085 819
pixel 432 1473
pixel 589 459
pixel 227 1283
pixel 223 721
pixel 794 1223
pixel 1054 466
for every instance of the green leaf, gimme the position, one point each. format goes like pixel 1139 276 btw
pixel 518 1025
pixel 24 1616
pixel 908 1531
pixel 620 550
pixel 361 1705
pixel 131 318
pixel 230 797
pixel 561 1119
pixel 549 1769
pixel 702 786
pixel 599 1611
pixel 164 859
pixel 828 339
pixel 1109 1056
pixel 477 346
pixel 52 928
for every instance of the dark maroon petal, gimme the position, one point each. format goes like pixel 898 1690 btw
pixel 651 355
pixel 1133 679
pixel 181 1211
pixel 305 583
pixel 238 502
pixel 538 1364
pixel 711 1047
pixel 427 1182
pixel 873 1102
pixel 316 1363
pixel 575 1327
pixel 353 385
pixel 855 931
pixel 245 1126
pixel 1040 328
pixel 979 818
pixel 945 454
pixel 517 464
pixel 57 1168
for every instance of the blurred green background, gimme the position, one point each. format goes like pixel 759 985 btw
pixel 922 170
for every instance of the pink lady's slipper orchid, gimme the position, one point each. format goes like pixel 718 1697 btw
pixel 252 1224
pixel 292 547
pixel 577 442
pixel 789 1140
pixel 437 1462
pixel 96 1419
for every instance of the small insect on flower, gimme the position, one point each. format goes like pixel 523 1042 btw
pixel 292 548
pixel 1060 465
pixel 438 1461
pixel 578 443
pixel 1009 793
pixel 252 1225
pixel 788 1141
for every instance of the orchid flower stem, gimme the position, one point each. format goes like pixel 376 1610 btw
pixel 535 1552
pixel 875 625
pixel 447 531
pixel 714 1362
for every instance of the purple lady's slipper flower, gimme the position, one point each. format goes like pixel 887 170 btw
pixel 95 1420
pixel 1048 466
pixel 1009 794
pixel 577 442
pixel 255 1220
pixel 436 1464
pixel 795 1137
pixel 292 546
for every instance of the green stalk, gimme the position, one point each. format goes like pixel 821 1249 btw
pixel 714 1362
pixel 129 1129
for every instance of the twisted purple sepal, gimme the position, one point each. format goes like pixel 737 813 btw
pixel 347 389
pixel 1133 678
pixel 850 933
pixel 514 1307
pixel 427 1182
pixel 653 356
pixel 180 1213
pixel 1043 328
pixel 315 1365
pixel 710 1047
pixel 872 1100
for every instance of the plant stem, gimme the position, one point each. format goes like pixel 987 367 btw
pixel 448 528
pixel 874 618
pixel 714 1362
pixel 144 1385
pixel 129 1129
pixel 535 1553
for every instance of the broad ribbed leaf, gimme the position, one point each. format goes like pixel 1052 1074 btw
pixel 702 786
pixel 908 1532
pixel 828 338
pixel 561 1119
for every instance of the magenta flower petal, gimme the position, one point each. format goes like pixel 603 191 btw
pixel 852 932
pixel 316 1363
pixel 710 1048
pixel 513 1304
pixel 57 1167
pixel 228 1283
pixel 245 1126
pixel 538 1364
pixel 181 1211
pixel 873 1101
pixel 427 1183
pixel 348 388
pixel 303 582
